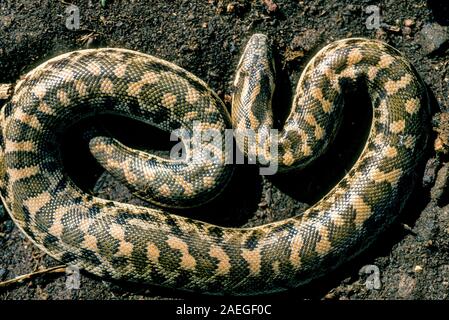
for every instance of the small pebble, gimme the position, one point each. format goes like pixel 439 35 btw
pixel 432 37
pixel 271 6
pixel 381 35
pixel 394 29
pixel 330 296
pixel 6 21
pixel 230 8
pixel 418 269
pixel 232 47
pixel 262 204
pixel 430 172
pixel 406 31
pixel 408 228
pixel 441 184
pixel 227 98
pixel 442 141
pixel 409 23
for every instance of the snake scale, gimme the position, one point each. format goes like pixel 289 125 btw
pixel 121 241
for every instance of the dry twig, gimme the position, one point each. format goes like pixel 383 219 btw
pixel 19 279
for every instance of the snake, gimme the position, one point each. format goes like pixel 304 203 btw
pixel 116 240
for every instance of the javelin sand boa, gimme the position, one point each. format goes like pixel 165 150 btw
pixel 122 241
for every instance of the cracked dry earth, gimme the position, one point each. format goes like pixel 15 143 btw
pixel 206 38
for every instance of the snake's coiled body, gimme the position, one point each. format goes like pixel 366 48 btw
pixel 127 242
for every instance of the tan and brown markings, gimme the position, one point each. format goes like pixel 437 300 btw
pixel 128 242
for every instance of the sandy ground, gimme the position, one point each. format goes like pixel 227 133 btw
pixel 206 38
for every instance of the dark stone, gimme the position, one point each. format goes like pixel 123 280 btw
pixel 433 37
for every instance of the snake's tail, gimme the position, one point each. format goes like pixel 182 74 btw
pixel 166 182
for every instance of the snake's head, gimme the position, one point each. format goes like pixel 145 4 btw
pixel 257 56
pixel 254 83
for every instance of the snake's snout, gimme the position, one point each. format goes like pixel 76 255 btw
pixel 257 55
pixel 258 40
